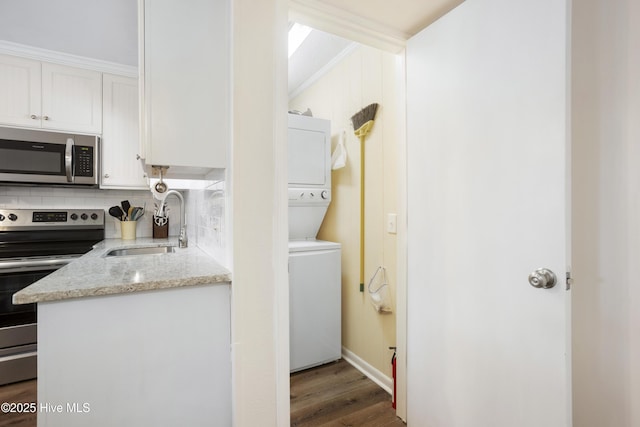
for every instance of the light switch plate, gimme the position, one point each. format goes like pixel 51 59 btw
pixel 392 223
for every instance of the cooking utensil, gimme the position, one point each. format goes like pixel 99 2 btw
pixel 138 213
pixel 130 213
pixel 116 212
pixel 125 207
pixel 160 220
pixel 161 187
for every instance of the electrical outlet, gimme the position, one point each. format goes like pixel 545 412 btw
pixel 392 223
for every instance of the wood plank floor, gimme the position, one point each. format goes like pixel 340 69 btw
pixel 22 392
pixel 337 394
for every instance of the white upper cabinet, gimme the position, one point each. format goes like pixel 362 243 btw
pixel 185 73
pixel 20 91
pixel 71 98
pixel 49 96
pixel 121 167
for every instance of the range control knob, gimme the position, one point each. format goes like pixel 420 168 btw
pixel 84 216
pixel 324 194
pixel 1 217
pixel 13 217
pixel 74 216
pixel 94 216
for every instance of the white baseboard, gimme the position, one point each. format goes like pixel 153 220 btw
pixel 372 373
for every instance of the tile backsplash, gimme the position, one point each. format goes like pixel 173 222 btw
pixel 78 198
pixel 206 210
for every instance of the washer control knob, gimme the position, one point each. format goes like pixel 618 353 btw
pixel 94 216
pixel 13 217
pixel 74 216
pixel 84 216
pixel 324 194
pixel 1 217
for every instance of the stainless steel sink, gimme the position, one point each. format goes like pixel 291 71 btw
pixel 141 251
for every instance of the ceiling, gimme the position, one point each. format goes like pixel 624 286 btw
pixel 402 16
pixel 397 20
pixel 109 29
pixel 318 52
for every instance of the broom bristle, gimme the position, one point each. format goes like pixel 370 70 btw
pixel 364 115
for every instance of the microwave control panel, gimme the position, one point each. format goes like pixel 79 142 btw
pixel 83 157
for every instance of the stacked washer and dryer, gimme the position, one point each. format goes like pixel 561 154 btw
pixel 314 265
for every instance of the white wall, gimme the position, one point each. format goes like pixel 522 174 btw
pixel 606 207
pixel 106 30
pixel 258 195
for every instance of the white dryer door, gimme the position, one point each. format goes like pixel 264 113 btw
pixel 308 157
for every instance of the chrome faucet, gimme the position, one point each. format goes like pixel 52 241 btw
pixel 182 240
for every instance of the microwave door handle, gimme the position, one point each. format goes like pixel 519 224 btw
pixel 68 160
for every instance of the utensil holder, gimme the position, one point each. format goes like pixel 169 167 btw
pixel 128 229
pixel 161 231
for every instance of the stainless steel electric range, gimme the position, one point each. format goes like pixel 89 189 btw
pixel 33 244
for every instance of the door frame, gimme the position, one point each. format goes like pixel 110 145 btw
pixel 353 27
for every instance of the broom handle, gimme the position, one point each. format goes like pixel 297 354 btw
pixel 362 213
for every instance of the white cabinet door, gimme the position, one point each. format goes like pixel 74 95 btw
pixel 19 91
pixel 120 166
pixel 71 99
pixel 186 75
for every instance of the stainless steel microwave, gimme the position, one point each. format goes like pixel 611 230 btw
pixel 41 157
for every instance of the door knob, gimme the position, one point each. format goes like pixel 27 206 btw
pixel 542 278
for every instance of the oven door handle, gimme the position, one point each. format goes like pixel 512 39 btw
pixel 68 160
pixel 34 265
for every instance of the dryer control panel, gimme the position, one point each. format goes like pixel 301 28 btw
pixel 309 196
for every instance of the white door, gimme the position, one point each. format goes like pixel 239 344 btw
pixel 487 204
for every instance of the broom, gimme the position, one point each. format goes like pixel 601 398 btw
pixel 362 124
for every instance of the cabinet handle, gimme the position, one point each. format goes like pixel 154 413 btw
pixel 34 117
pixel 106 175
pixel 45 117
pixel 137 156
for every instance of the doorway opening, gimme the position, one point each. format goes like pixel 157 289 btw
pixel 334 78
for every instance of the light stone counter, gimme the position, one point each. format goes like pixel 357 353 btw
pixel 93 274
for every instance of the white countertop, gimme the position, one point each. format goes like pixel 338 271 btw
pixel 93 274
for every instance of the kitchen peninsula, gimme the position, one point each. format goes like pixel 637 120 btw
pixel 133 339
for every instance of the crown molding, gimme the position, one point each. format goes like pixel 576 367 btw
pixel 32 52
pixel 345 24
